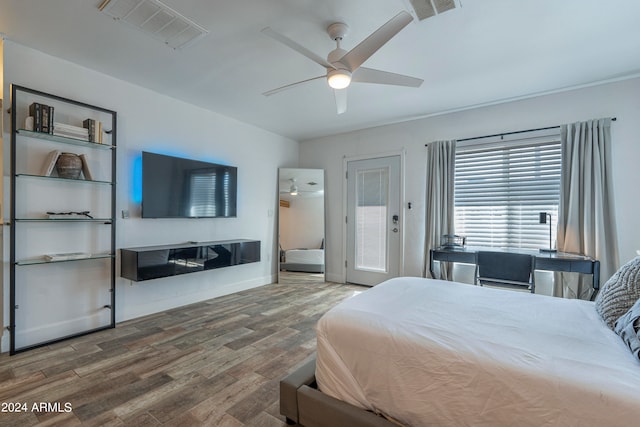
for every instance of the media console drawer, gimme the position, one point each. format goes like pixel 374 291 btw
pixel 153 262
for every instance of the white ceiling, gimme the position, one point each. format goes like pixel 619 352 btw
pixel 309 182
pixel 483 52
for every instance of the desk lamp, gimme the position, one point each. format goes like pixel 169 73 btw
pixel 543 220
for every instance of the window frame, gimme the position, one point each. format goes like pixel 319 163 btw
pixel 510 228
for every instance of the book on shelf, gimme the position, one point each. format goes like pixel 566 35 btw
pixel 50 163
pixel 71 128
pixel 51 119
pixel 86 171
pixel 71 135
pixel 44 111
pixel 42 117
pixel 34 111
pixel 70 131
pixel 67 256
pixel 90 125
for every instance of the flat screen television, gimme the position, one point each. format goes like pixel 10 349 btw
pixel 175 187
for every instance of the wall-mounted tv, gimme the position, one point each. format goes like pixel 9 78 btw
pixel 175 187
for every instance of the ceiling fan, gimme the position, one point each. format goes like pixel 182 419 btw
pixel 293 189
pixel 344 67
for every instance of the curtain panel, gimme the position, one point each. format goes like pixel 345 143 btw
pixel 441 157
pixel 586 213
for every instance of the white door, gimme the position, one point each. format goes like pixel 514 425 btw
pixel 373 220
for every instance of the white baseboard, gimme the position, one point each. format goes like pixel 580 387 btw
pixel 51 331
pixel 4 341
pixel 158 306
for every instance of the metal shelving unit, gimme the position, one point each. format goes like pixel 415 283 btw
pixel 53 298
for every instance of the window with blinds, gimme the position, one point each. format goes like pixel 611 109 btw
pixel 502 186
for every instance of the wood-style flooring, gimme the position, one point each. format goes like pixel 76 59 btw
pixel 214 363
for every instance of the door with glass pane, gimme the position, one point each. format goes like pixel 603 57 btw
pixel 373 220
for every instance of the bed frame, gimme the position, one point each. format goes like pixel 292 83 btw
pixel 304 268
pixel 303 404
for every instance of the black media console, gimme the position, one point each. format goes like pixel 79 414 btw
pixel 153 262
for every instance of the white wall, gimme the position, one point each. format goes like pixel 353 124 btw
pixel 618 99
pixel 153 122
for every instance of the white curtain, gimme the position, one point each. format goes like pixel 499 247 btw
pixel 586 214
pixel 441 157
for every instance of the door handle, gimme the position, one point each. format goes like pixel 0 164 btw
pixel 395 219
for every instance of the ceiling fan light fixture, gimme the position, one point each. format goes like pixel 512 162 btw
pixel 339 79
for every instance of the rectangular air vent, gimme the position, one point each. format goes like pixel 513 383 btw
pixel 155 19
pixel 427 8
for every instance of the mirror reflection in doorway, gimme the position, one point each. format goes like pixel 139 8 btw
pixel 301 225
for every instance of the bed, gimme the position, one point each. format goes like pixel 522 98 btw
pixel 304 260
pixel 420 352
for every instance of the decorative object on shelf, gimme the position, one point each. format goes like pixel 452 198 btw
pixel 453 241
pixel 69 165
pixel 86 171
pixel 28 123
pixel 50 163
pixel 543 220
pixel 67 256
pixel 69 215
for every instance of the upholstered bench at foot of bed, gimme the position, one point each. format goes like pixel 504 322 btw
pixel 301 403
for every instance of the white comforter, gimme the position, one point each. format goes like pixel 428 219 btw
pixel 430 352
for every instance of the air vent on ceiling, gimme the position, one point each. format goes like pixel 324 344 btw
pixel 155 19
pixel 427 8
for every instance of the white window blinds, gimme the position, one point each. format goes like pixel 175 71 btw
pixel 502 186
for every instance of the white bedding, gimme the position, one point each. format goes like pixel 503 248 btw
pixel 304 256
pixel 430 352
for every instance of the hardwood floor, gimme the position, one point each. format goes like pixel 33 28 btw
pixel 215 363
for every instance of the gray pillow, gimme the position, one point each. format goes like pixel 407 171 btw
pixel 619 293
pixel 628 327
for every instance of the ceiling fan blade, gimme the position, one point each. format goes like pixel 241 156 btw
pixel 341 100
pixel 292 85
pixel 298 48
pixel 369 75
pixel 356 56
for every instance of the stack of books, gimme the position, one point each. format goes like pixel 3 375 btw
pixel 95 130
pixel 42 117
pixel 70 131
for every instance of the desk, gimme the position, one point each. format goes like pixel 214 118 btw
pixel 555 261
